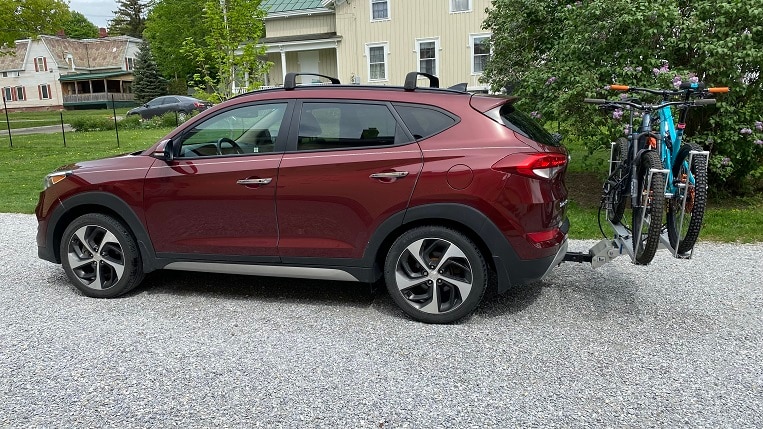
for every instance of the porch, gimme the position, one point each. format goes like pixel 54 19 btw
pixel 97 90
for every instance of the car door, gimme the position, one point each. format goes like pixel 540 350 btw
pixel 151 108
pixel 170 104
pixel 350 165
pixel 216 199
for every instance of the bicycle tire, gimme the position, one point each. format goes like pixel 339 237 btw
pixel 695 205
pixel 617 197
pixel 654 199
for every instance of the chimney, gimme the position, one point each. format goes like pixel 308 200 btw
pixel 61 33
pixel 102 33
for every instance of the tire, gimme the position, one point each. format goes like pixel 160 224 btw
pixel 686 235
pixel 618 195
pixel 435 274
pixel 99 240
pixel 653 199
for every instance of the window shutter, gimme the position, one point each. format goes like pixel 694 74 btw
pixel 45 63
pixel 23 90
pixel 14 97
pixel 39 91
pixel 50 95
pixel 36 66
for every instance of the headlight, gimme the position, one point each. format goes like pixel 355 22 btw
pixel 53 178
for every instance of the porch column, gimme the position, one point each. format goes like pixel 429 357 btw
pixel 283 66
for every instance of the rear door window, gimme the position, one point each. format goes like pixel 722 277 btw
pixel 523 124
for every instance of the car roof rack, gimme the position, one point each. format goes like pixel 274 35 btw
pixel 412 77
pixel 290 80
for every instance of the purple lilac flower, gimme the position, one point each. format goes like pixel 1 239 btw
pixel 639 68
pixel 578 3
pixel 551 80
pixel 655 71
pixel 726 161
pixel 746 131
pixel 569 6
pixel 623 96
pixel 664 68
pixel 677 81
pixel 759 125
pixel 758 142
pixel 617 114
pixel 694 79
pixel 535 114
pixel 626 130
pixel 628 69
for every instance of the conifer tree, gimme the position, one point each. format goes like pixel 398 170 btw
pixel 130 18
pixel 148 83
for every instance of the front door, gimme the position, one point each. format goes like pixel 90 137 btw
pixel 218 196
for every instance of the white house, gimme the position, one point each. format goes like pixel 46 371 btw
pixel 52 72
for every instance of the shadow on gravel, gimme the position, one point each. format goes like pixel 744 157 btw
pixel 513 301
pixel 256 288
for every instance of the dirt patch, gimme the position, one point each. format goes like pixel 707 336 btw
pixel 584 188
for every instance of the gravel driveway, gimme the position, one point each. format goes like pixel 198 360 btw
pixel 622 346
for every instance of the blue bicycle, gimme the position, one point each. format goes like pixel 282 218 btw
pixel 653 168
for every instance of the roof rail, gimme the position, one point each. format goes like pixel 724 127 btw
pixel 410 80
pixel 290 81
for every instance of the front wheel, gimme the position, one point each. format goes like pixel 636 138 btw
pixel 100 256
pixel 435 274
pixel 648 208
pixel 687 207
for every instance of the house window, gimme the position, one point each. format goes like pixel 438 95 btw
pixel 129 63
pixel 379 10
pixel 10 74
pixel 43 91
pixel 8 93
pixel 427 50
pixel 18 94
pixel 377 61
pixel 480 44
pixel 460 5
pixel 40 64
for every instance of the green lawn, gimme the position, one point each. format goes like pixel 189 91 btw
pixel 53 117
pixel 32 157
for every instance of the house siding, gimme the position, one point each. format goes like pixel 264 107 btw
pixel 310 24
pixel 30 79
pixel 409 21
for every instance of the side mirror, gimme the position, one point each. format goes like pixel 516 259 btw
pixel 165 150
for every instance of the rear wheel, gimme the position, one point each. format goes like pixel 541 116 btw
pixel 618 194
pixel 684 218
pixel 647 210
pixel 100 256
pixel 435 274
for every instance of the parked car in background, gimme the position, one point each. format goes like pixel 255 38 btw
pixel 169 103
pixel 438 192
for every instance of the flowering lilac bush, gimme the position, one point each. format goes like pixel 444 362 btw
pixel 555 53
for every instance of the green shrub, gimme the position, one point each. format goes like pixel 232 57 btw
pixel 92 123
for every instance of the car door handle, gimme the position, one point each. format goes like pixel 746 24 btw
pixel 389 175
pixel 254 181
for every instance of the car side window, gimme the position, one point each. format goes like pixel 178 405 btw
pixel 243 130
pixel 171 100
pixel 337 125
pixel 423 121
pixel 155 102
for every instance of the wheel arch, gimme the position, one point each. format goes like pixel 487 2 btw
pixel 105 203
pixel 469 221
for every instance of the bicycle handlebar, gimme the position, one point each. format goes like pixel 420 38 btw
pixel 619 103
pixel 594 100
pixel 697 88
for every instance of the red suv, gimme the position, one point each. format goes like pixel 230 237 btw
pixel 434 190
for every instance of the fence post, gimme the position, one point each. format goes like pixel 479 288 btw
pixel 63 131
pixel 7 121
pixel 116 125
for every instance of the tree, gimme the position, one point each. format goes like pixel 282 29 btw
pixel 23 19
pixel 556 52
pixel 229 55
pixel 148 82
pixel 79 27
pixel 169 23
pixel 130 18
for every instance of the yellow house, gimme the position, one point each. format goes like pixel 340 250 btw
pixel 377 41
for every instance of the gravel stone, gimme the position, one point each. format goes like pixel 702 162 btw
pixel 675 344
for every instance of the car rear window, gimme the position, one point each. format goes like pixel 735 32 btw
pixel 523 124
pixel 423 121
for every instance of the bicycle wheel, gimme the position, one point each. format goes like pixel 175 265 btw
pixel 647 210
pixel 684 232
pixel 618 194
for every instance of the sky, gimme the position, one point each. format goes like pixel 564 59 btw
pixel 99 12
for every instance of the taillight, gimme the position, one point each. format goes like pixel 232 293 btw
pixel 536 165
pixel 197 104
